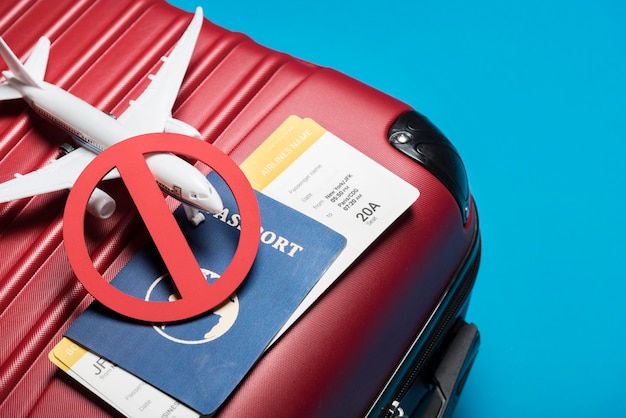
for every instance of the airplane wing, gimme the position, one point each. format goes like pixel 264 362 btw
pixel 153 107
pixel 58 175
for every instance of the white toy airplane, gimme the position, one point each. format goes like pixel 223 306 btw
pixel 95 130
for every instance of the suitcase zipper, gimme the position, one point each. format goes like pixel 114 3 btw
pixel 460 298
pixel 421 354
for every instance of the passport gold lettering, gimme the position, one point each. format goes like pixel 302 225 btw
pixel 294 249
pixel 280 243
pixel 234 221
pixel 268 237
pixel 276 241
pixel 229 219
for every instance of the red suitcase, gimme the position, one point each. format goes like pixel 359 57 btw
pixel 399 348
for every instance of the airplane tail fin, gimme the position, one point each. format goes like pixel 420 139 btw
pixel 38 60
pixel 30 73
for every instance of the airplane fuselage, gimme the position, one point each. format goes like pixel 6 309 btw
pixel 92 128
pixel 96 131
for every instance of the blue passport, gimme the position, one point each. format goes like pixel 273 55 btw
pixel 201 361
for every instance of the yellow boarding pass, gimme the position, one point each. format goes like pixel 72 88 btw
pixel 122 390
pixel 311 170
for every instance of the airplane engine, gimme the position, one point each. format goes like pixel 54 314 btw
pixel 176 126
pixel 100 204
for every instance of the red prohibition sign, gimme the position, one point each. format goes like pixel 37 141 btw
pixel 197 296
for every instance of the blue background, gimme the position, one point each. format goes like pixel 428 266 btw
pixel 532 93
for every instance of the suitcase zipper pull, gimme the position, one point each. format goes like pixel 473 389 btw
pixel 396 411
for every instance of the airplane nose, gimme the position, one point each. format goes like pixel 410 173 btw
pixel 211 200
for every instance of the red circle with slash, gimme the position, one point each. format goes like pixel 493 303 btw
pixel 197 296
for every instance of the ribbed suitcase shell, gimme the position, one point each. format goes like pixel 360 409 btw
pixel 236 92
